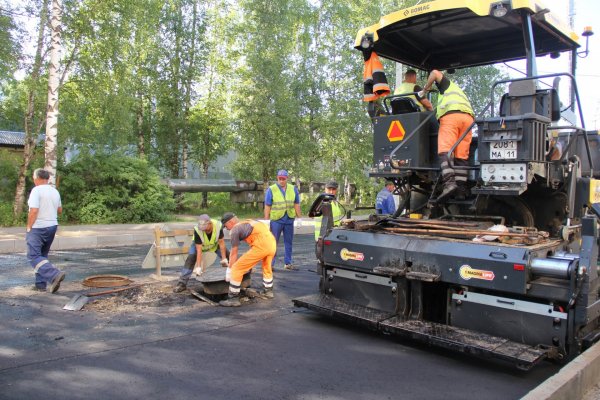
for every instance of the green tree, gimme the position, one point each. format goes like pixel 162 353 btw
pixel 115 188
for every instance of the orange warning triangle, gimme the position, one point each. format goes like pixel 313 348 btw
pixel 395 132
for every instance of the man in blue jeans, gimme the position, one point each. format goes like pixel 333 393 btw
pixel 42 222
pixel 282 206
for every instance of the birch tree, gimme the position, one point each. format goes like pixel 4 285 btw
pixel 53 85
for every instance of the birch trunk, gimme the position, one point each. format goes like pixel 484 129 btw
pixel 53 85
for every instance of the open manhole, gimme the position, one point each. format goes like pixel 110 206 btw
pixel 160 296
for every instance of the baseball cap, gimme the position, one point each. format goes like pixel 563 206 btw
pixel 203 221
pixel 332 185
pixel 282 172
pixel 226 217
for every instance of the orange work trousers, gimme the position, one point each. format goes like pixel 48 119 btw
pixel 451 127
pixel 262 249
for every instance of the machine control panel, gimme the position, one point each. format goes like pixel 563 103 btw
pixel 504 173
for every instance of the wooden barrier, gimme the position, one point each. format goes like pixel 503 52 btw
pixel 166 251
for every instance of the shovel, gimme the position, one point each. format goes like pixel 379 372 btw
pixel 80 300
pixel 203 298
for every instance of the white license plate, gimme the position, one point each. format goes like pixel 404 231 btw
pixel 504 149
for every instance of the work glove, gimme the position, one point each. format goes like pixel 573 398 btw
pixel 228 274
pixel 224 263
pixel 422 94
pixel 198 270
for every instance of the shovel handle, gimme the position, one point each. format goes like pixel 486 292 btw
pixel 112 291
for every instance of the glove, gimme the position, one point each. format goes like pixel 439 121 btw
pixel 228 274
pixel 198 270
pixel 224 263
pixel 422 94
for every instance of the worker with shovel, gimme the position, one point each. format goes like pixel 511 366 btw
pixel 262 249
pixel 208 238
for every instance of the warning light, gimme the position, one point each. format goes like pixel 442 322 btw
pixel 395 132
pixel 519 267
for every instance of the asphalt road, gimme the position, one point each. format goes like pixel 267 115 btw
pixel 189 349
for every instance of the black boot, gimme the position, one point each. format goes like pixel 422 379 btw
pixel 180 287
pixel 448 179
pixel 267 293
pixel 449 189
pixel 461 177
pixel 233 300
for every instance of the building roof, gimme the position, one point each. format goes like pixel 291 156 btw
pixel 12 139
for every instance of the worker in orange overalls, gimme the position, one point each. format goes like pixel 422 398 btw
pixel 262 248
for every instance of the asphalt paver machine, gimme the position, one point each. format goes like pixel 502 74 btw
pixel 510 271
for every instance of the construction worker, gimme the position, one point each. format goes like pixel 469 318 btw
pixel 455 115
pixel 282 206
pixel 208 238
pixel 42 222
pixel 262 249
pixel 336 209
pixel 409 85
pixel 384 203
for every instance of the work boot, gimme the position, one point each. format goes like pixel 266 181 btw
pixel 267 294
pixel 462 192
pixel 180 287
pixel 449 190
pixel 233 300
pixel 55 284
pixel 289 267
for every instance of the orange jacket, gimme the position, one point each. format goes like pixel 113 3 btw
pixel 374 80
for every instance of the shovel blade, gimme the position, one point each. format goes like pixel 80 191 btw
pixel 76 303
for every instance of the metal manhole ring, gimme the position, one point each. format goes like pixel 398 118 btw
pixel 102 281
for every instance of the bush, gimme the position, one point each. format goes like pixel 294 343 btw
pixel 113 188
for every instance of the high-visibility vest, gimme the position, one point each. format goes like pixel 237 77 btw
pixel 210 244
pixel 336 210
pixel 407 87
pixel 453 99
pixel 281 204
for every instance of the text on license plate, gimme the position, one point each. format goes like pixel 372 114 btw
pixel 503 149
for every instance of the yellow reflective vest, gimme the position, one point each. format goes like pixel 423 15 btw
pixel 407 87
pixel 453 99
pixel 281 204
pixel 336 210
pixel 212 243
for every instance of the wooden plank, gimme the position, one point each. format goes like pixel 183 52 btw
pixel 177 232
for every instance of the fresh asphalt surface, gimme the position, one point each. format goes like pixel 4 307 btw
pixel 262 350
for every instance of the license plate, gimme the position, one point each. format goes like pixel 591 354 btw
pixel 504 149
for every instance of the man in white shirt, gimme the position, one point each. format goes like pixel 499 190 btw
pixel 42 222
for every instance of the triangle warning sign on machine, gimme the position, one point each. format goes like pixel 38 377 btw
pixel 395 132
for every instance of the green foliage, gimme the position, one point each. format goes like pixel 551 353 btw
pixel 113 189
pixel 10 47
pixel 219 204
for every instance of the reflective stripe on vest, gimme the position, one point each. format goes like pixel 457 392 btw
pixel 407 87
pixel 210 244
pixel 281 204
pixel 453 99
pixel 336 210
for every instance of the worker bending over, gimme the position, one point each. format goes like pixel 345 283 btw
pixel 262 249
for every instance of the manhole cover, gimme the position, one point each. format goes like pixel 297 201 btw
pixel 103 281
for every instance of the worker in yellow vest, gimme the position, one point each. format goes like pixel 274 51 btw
pixel 409 85
pixel 336 209
pixel 282 206
pixel 208 237
pixel 455 115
